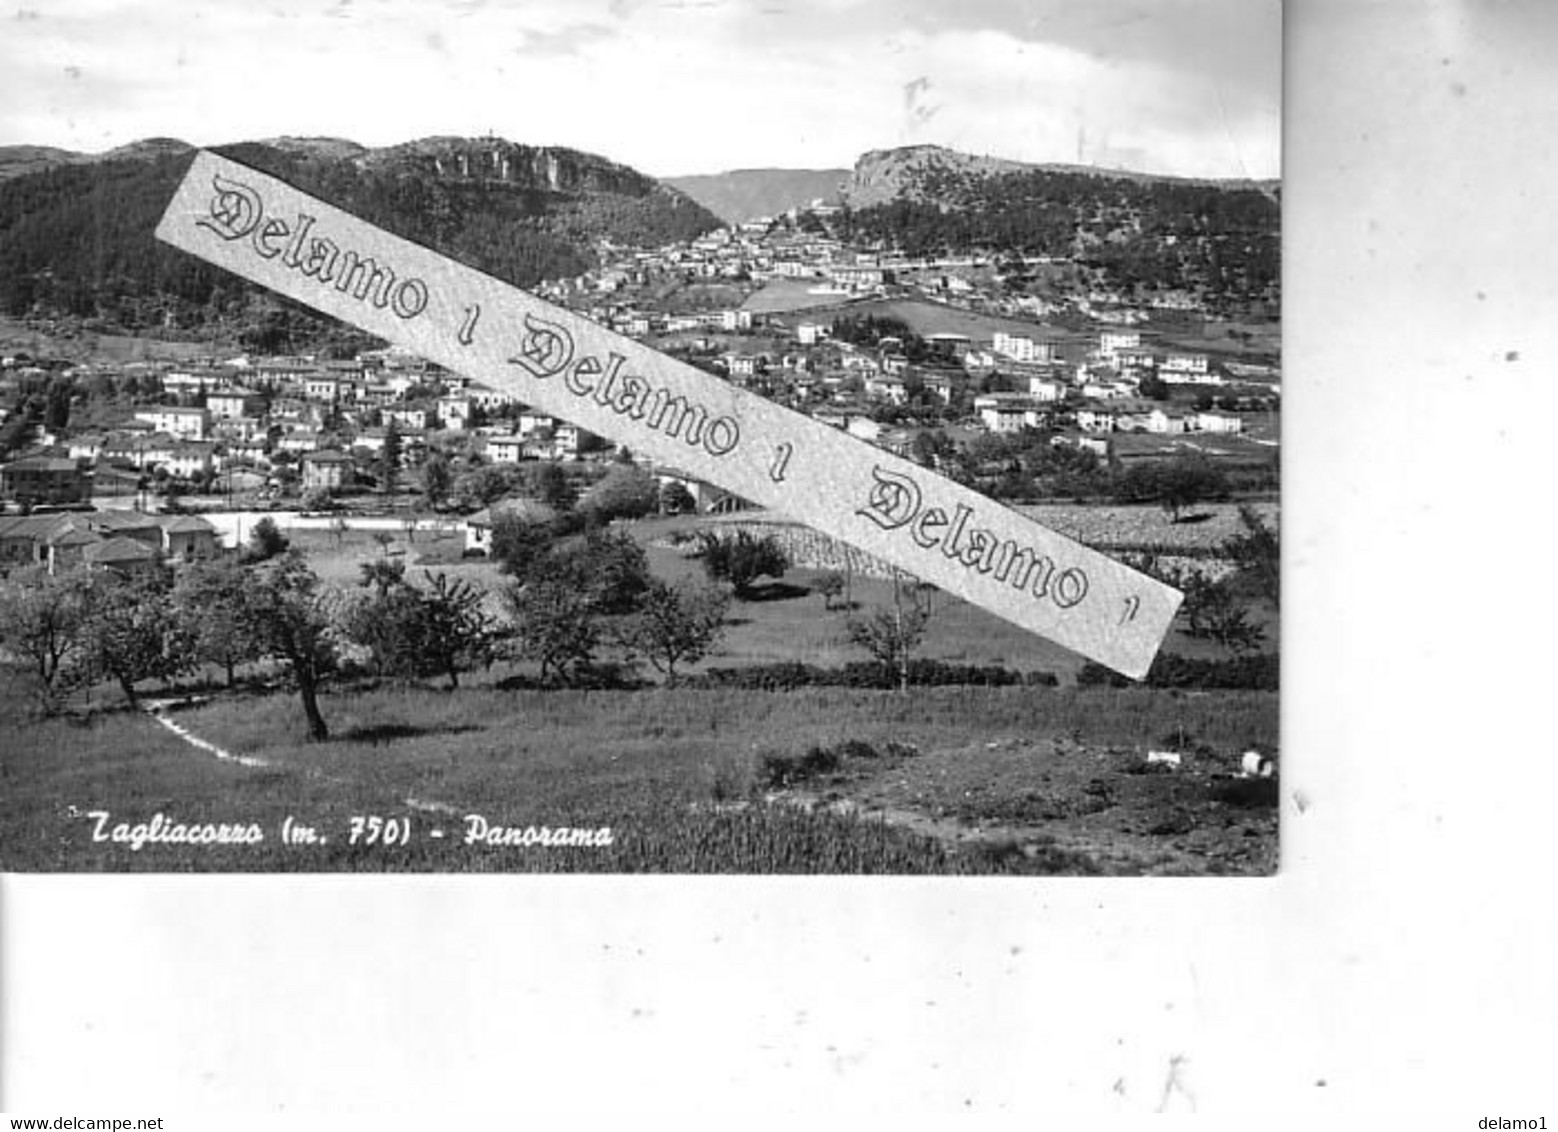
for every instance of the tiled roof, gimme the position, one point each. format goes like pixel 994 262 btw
pixel 119 550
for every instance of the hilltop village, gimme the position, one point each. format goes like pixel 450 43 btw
pixel 962 362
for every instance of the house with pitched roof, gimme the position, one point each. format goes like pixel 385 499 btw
pixel 52 480
pixel 188 538
pixel 328 469
pixel 123 555
pixel 478 528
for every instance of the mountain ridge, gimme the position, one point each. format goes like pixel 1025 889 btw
pixel 915 172
pixel 76 232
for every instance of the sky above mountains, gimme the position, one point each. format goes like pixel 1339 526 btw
pixel 1189 87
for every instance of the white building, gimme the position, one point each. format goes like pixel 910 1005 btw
pixel 186 424
pixel 1169 422
pixel 864 427
pixel 490 399
pixel 1045 388
pixel 1022 348
pixel 1111 342
pixel 454 412
pixel 505 449
pixel 322 387
pixel 1007 412
pixel 1219 422
pixel 1184 367
pixel 235 403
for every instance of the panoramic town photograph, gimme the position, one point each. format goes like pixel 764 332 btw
pixel 284 590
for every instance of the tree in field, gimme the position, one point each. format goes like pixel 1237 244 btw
pixel 675 499
pixel 389 457
pixel 1257 555
pixel 554 624
pixel 518 540
pixel 831 587
pixel 565 587
pixel 1186 481
pixel 675 625
pixel 56 411
pixel 892 635
pixel 742 558
pixel 133 630
pixel 437 479
pixel 1214 612
pixel 626 492
pixel 550 484
pixel 486 483
pixel 266 540
pixel 43 623
pixel 457 634
pixel 209 599
pixel 384 625
pixel 287 617
pixel 611 567
pixel 409 631
pixel 382 575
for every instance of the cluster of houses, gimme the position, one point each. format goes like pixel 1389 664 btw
pixel 129 542
pixel 331 419
pixel 1096 380
pixel 797 249
pixel 757 251
pixel 325 418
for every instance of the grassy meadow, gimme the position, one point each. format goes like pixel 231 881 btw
pixel 676 775
pixel 952 780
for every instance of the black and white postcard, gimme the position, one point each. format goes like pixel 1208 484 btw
pixel 641 438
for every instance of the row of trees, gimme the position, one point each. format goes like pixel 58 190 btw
pixel 72 630
pixel 571 591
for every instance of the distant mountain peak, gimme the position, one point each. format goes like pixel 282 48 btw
pixel 329 148
pixel 747 194
pixel 147 149
pixel 931 172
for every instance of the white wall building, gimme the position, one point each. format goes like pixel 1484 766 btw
pixel 1022 348
pixel 186 424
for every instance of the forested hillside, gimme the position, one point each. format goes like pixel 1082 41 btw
pixel 1221 240
pixel 77 239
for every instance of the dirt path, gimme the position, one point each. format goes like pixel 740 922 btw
pixel 158 710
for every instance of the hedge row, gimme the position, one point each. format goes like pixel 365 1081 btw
pixel 788 675
pixel 1170 670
